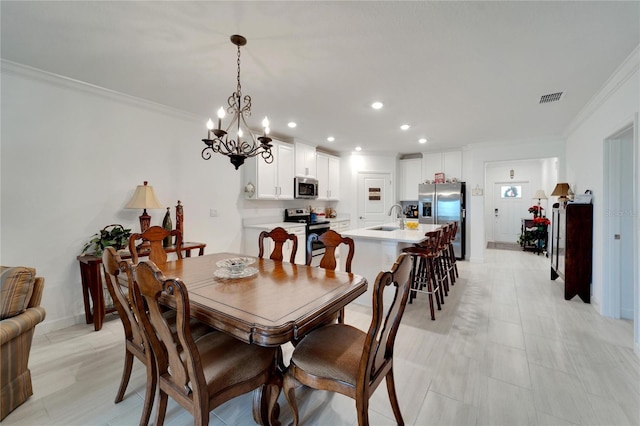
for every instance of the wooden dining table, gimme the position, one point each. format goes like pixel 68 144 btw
pixel 280 303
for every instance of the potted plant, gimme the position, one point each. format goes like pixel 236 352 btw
pixel 114 235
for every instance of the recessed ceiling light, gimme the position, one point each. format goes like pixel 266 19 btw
pixel 405 127
pixel 291 124
pixel 422 140
pixel 331 139
pixel 358 148
pixel 376 105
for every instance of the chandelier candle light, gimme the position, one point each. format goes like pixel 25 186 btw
pixel 239 108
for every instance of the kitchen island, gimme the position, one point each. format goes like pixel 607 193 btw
pixel 378 247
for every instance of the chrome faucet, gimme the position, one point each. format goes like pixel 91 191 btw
pixel 400 215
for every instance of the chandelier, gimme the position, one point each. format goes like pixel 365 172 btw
pixel 239 107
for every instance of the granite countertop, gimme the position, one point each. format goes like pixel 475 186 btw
pixel 398 235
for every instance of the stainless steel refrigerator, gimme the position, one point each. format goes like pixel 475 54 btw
pixel 440 203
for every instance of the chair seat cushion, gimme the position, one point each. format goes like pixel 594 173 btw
pixel 227 360
pixel 333 351
pixel 16 288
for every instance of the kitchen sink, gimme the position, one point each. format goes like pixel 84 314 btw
pixel 384 228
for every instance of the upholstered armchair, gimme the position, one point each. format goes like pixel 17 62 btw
pixel 20 312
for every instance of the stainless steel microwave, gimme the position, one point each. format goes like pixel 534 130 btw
pixel 305 187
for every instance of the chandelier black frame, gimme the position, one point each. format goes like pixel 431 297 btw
pixel 239 107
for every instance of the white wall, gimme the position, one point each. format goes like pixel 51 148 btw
pixel 614 107
pixel 72 155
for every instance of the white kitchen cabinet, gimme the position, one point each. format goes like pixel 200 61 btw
pixel 449 163
pixel 452 165
pixel 410 173
pixel 272 181
pixel 431 164
pixel 328 174
pixel 305 160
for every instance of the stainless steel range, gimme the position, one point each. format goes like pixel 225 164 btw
pixel 312 227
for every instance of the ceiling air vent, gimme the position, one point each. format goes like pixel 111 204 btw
pixel 551 97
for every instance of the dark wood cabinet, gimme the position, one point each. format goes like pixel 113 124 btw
pixel 572 249
pixel 533 236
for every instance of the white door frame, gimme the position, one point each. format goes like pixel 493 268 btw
pixel 611 293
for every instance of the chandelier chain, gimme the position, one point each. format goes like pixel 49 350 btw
pixel 239 87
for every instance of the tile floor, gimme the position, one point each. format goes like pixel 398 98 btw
pixel 506 349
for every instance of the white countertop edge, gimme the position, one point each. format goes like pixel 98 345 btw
pixel 399 235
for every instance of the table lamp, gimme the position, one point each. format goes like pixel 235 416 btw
pixel 539 195
pixel 144 198
pixel 561 191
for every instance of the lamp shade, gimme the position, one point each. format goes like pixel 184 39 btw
pixel 561 190
pixel 144 198
pixel 540 195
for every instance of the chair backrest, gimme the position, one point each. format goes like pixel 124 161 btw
pixel 385 320
pixel 154 236
pixel 279 236
pixel 454 231
pixel 176 354
pixel 113 266
pixel 331 240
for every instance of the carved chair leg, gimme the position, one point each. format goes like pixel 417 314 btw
pixel 126 374
pixel 362 407
pixel 150 393
pixel 393 398
pixel 289 389
pixel 161 404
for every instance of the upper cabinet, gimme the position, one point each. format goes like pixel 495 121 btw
pixel 305 160
pixel 449 163
pixel 272 181
pixel 328 174
pixel 410 176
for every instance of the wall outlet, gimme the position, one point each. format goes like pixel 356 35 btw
pixel 213 212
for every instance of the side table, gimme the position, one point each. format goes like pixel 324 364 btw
pixel 91 279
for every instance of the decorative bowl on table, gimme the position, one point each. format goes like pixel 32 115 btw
pixel 236 267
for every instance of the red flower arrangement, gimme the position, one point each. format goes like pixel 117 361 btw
pixel 541 221
pixel 536 210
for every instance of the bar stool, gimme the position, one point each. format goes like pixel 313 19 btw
pixel 444 257
pixel 426 271
pixel 452 253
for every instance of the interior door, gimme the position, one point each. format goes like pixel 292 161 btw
pixel 374 199
pixel 511 202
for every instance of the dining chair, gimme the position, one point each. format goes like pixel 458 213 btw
pixel 341 358
pixel 199 374
pixel 279 236
pixel 122 296
pixel 331 240
pixel 154 237
pixel 113 266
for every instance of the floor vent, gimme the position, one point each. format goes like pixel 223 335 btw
pixel 551 97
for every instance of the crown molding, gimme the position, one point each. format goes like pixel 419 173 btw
pixel 31 73
pixel 620 76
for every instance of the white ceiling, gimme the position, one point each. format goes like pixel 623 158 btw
pixel 458 72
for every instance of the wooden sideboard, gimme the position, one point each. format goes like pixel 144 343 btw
pixel 92 287
pixel 572 249
pixel 533 236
